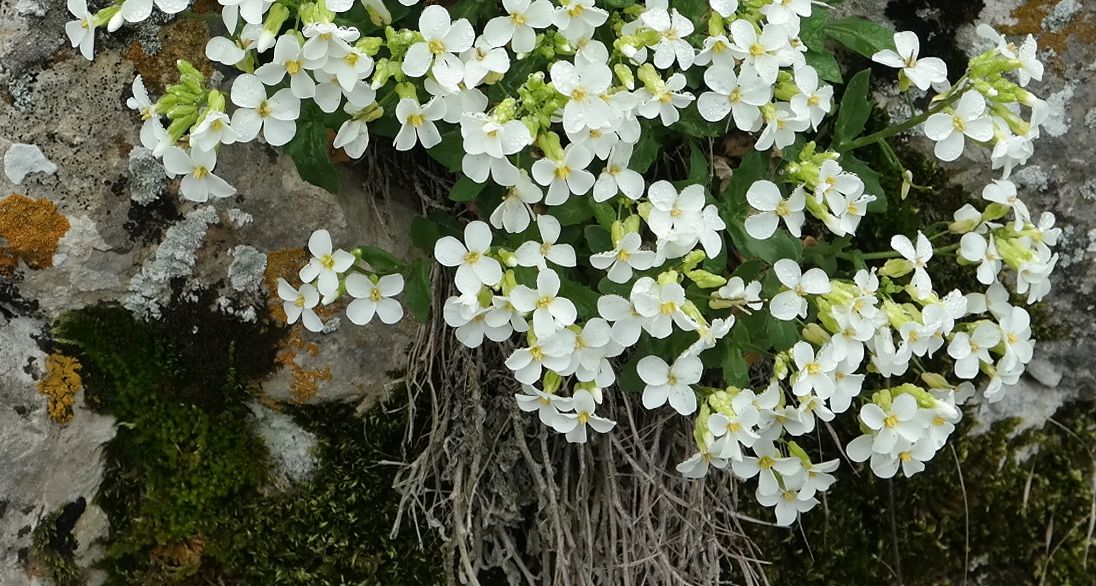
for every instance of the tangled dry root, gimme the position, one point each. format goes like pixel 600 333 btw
pixel 509 495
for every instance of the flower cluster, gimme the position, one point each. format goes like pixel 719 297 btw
pixel 610 279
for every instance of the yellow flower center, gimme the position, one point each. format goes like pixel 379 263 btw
pixel 519 19
pixel 905 456
pixel 375 294
pixel 766 462
pixel 757 50
pixel 299 302
pixel 263 109
pixel 958 124
pixel 576 10
pixel 537 353
pixel 292 67
pixel 415 120
pixel 436 47
pixel 623 255
pixel 472 258
pixel 217 124
pixel 351 59
pixel 583 417
pixel 782 209
pixel 814 368
pixel 579 95
pixel 668 307
pixel 562 172
pixel 814 100
pixel 200 172
pixel 890 421
pixel 544 302
pixel 938 421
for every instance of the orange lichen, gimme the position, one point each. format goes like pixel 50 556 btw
pixel 285 263
pixel 182 39
pixel 29 232
pixel 1029 17
pixel 60 385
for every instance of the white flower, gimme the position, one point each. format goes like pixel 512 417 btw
pixel 724 8
pixel 251 10
pixel 578 18
pixel 970 350
pixel 518 26
pixel 151 130
pixel 768 458
pixel 574 424
pixel 919 257
pixel 550 311
pixel 627 321
pixel 325 38
pixel 300 304
pixel 374 298
pixel 813 370
pixel 697 464
pixel 922 72
pixel 275 116
pixel 975 248
pixel 353 135
pixel 552 352
pixel 1004 193
pixel 911 456
pixel 1016 336
pixel 616 177
pixel 818 478
pixel 835 185
pixel 736 429
pixel 349 65
pixel 514 213
pixel 627 256
pixel 487 144
pixel 535 254
pixel 790 304
pixel 441 39
pixel 566 176
pixel 325 264
pixel 742 295
pixel 81 32
pixel 716 52
pixel 786 11
pixel 670 383
pixel 672 46
pixel 763 53
pixel 199 183
pixel 474 267
pixel 547 405
pixel 781 124
pixel 813 102
pixel 583 83
pixel 787 502
pixel 214 129
pixel 417 123
pixel 483 59
pixel 949 130
pixel 666 102
pixel 765 197
pixel 670 209
pixel 900 421
pixel 473 322
pixel 662 306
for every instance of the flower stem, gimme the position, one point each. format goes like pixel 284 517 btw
pixel 888 254
pixel 907 125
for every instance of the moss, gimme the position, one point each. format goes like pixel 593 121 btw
pixel 183 457
pixel 1012 509
pixel 53 546
pixel 335 528
pixel 60 384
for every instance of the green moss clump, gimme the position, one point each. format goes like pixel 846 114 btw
pixel 183 455
pixel 53 546
pixel 335 528
pixel 1012 509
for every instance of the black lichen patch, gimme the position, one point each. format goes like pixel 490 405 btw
pixel 936 22
pixel 145 224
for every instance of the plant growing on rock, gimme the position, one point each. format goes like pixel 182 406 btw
pixel 732 289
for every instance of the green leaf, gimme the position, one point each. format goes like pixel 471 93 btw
pixel 734 209
pixel 308 149
pixel 584 298
pixel 698 165
pixel 605 214
pixel 598 239
pixel 825 64
pixel 465 189
pixel 449 151
pixel 782 334
pixel 693 124
pixel 381 260
pixel 424 233
pixel 811 31
pixel 863 36
pixel 573 211
pixel 871 179
pixel 855 109
pixel 417 292
pixel 736 372
pixel 646 150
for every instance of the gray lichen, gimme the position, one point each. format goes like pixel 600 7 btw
pixel 246 271
pixel 146 176
pixel 150 288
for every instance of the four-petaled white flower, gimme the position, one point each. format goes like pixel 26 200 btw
pixel 923 73
pixel 442 38
pixel 771 207
pixel 288 60
pixel 374 298
pixel 565 176
pixel 950 130
pixel 919 257
pixel 474 267
pixel 518 26
pixel 627 255
pixel 550 311
pixel 616 177
pixel 574 424
pixel 300 304
pixel 417 123
pixel 670 383
pixel 199 183
pixel 81 32
pixel 790 304
pixel 536 254
pixel 326 263
pixel 583 83
pixel 673 27
pixel 276 116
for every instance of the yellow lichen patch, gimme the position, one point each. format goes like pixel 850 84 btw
pixel 286 263
pixel 29 231
pixel 182 39
pixel 1029 17
pixel 60 385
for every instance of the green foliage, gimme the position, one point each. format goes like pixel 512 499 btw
pixel 53 546
pixel 855 109
pixel 1027 517
pixel 308 149
pixel 860 35
pixel 417 291
pixel 335 528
